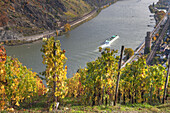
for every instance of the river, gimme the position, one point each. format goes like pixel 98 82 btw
pixel 126 18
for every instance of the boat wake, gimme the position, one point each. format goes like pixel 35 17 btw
pixel 103 47
pixel 107 42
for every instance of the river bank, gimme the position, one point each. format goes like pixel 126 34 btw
pixel 47 34
pixel 156 30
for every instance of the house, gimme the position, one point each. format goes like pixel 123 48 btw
pixel 162 57
pixel 167 52
pixel 163 47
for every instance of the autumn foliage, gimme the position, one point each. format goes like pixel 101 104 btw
pixel 128 52
pixel 160 15
pixel 95 84
pixel 3 19
pixel 139 83
pixel 67 27
pixel 55 73
pixel 17 83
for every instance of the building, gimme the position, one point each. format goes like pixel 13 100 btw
pixel 148 41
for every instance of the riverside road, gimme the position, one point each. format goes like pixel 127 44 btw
pixel 158 42
pixel 141 47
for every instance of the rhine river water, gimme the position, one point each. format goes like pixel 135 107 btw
pixel 127 18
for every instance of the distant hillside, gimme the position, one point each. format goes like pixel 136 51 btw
pixel 99 3
pixel 29 17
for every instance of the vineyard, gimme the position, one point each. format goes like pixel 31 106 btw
pixel 17 83
pixel 139 83
pixel 91 86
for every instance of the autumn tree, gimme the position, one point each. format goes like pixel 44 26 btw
pixel 3 82
pixel 3 19
pixel 67 27
pixel 128 52
pixel 157 35
pixel 17 83
pixel 160 15
pixel 55 73
pixel 154 38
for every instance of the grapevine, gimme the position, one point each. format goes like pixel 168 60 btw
pixel 55 66
pixel 17 83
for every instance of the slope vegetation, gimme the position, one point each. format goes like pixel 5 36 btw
pixel 29 17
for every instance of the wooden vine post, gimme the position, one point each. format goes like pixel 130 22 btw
pixel 55 97
pixel 118 76
pixel 167 78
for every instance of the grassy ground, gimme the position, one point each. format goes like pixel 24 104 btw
pixel 72 105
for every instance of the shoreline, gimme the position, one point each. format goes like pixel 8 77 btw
pixel 142 45
pixel 47 34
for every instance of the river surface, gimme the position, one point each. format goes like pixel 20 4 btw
pixel 127 18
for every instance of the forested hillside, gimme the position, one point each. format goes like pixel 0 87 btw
pixel 29 17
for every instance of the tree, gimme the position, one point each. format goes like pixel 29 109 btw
pixel 157 34
pixel 55 73
pixel 3 19
pixel 67 27
pixel 128 52
pixel 147 50
pixel 154 38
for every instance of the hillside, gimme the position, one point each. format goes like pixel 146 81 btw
pixel 99 3
pixel 29 17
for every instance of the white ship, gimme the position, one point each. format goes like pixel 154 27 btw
pixel 109 41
